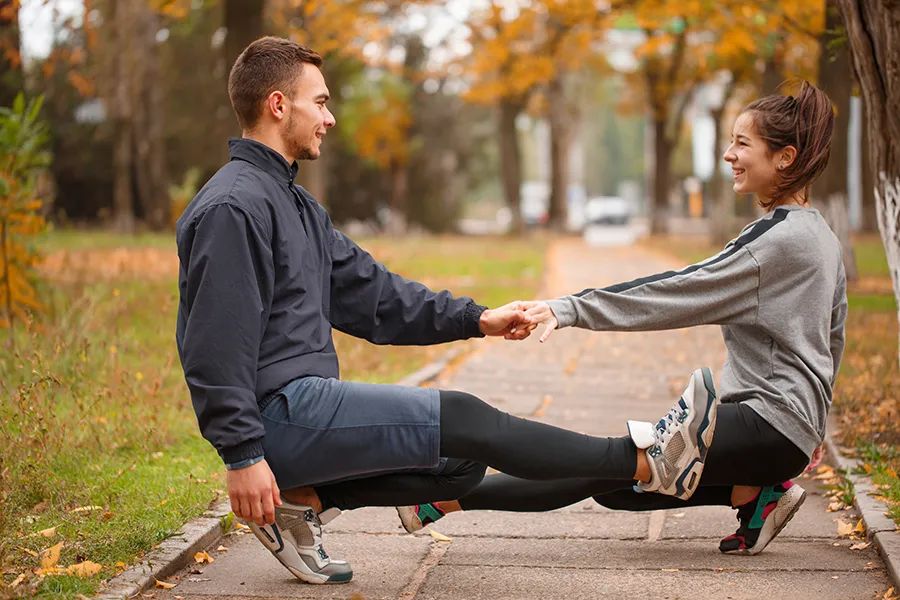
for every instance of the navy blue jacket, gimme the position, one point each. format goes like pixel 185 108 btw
pixel 264 276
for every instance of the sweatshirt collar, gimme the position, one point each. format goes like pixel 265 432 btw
pixel 262 157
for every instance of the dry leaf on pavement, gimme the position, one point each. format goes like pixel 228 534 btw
pixel 860 546
pixel 844 528
pixel 439 537
pixel 203 557
pixel 164 585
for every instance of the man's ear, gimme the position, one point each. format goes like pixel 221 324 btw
pixel 275 105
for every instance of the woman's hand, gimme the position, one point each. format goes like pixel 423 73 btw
pixel 539 313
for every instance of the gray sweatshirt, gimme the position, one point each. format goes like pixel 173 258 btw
pixel 779 292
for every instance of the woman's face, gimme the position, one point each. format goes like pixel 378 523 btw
pixel 755 169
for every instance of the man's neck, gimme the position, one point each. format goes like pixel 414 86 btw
pixel 272 140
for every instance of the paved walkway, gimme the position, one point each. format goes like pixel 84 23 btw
pixel 589 382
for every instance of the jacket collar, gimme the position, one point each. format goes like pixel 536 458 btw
pixel 262 157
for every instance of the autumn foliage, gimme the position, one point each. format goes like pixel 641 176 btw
pixel 22 156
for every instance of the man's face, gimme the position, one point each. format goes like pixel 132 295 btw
pixel 308 119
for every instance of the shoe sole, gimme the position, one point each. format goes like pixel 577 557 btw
pixel 687 483
pixel 276 545
pixel 408 519
pixel 792 499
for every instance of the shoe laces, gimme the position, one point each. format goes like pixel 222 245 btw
pixel 664 429
pixel 308 521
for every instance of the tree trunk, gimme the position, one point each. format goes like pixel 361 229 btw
pixel 148 165
pixel 122 114
pixel 773 69
pixel 867 177
pixel 559 155
pixel 830 190
pixel 659 202
pixel 511 161
pixel 243 24
pixel 873 28
pixel 10 55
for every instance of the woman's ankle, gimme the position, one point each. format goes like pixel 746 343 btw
pixel 742 494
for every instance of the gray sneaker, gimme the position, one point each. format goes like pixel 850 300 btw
pixel 296 540
pixel 677 445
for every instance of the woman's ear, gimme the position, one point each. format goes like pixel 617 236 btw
pixel 786 157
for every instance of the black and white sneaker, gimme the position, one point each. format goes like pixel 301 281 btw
pixel 295 539
pixel 677 445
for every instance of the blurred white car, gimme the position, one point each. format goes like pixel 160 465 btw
pixel 607 210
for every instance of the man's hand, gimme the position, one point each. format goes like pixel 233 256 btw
pixel 540 313
pixel 254 493
pixel 508 320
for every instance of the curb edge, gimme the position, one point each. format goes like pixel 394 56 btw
pixel 879 527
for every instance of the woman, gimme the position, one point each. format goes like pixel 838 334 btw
pixel 778 291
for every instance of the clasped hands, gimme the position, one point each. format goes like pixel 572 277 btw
pixel 516 320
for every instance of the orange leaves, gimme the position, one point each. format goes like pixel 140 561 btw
pixel 22 136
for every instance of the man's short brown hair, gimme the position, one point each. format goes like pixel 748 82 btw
pixel 268 64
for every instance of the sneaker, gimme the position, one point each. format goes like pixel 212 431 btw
pixel 760 520
pixel 416 517
pixel 296 540
pixel 677 445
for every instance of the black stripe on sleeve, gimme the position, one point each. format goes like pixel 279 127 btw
pixel 755 233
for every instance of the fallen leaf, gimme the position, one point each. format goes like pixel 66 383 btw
pixel 163 585
pixel 221 549
pixel 844 528
pixel 18 580
pixel 47 533
pixel 203 557
pixel 860 546
pixel 29 552
pixel 860 527
pixel 81 509
pixel 198 579
pixel 240 526
pixel 824 472
pixel 670 570
pixel 84 569
pixel 439 537
pixel 121 566
pixel 50 556
pixel 835 506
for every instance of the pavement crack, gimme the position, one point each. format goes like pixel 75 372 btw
pixel 436 552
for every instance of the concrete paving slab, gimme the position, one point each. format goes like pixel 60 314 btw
pixel 501 583
pixel 577 523
pixel 664 554
pixel 382 565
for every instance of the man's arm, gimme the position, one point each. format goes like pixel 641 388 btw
pixel 370 302
pixel 227 293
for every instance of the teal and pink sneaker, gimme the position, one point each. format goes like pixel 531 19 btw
pixel 761 519
pixel 416 517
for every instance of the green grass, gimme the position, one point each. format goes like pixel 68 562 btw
pixel 94 410
pixel 880 462
pixel 870 257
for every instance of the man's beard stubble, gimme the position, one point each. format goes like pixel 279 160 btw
pixel 294 144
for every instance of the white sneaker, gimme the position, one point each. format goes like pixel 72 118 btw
pixel 296 540
pixel 677 445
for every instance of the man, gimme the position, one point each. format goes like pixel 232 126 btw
pixel 264 277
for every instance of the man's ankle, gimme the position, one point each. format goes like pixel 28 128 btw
pixel 305 496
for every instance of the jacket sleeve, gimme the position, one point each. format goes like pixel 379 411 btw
pixel 838 318
pixel 720 290
pixel 226 292
pixel 370 302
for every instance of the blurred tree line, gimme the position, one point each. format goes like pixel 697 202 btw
pixel 137 104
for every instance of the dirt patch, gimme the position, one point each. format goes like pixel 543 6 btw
pixel 153 264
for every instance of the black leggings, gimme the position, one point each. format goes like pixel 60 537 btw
pixel 475 435
pixel 745 450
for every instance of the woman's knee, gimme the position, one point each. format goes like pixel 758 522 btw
pixel 462 478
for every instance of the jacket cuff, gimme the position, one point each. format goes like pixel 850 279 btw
pixel 564 311
pixel 242 452
pixel 471 318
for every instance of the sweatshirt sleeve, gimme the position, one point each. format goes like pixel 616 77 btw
pixel 227 294
pixel 838 318
pixel 370 302
pixel 720 290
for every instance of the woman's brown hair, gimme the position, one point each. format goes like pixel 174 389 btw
pixel 804 121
